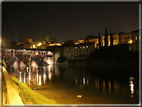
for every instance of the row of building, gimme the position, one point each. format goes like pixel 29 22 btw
pixel 73 49
pixel 82 48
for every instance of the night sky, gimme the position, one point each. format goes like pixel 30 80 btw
pixel 66 20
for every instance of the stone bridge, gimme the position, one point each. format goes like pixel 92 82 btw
pixel 24 57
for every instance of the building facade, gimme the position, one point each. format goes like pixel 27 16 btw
pixel 70 52
pixel 124 38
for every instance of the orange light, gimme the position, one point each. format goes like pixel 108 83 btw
pixel 36 53
pixel 130 41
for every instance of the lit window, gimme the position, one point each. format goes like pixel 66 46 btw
pixel 80 47
pixel 136 37
pixel 83 47
pixel 86 46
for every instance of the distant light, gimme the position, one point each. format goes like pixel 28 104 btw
pixel 130 41
pixel 33 46
pixel 36 53
pixel 39 44
pixel 136 37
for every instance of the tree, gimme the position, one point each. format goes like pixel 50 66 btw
pixel 106 38
pixel 111 39
pixel 99 41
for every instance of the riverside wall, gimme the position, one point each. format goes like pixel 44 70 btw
pixel 13 97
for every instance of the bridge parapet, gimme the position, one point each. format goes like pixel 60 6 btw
pixel 26 52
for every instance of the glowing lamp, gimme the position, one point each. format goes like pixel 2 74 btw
pixel 131 41
pixel 39 44
pixel 36 53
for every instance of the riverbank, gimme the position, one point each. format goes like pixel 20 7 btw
pixel 68 95
pixel 28 95
pixel 15 92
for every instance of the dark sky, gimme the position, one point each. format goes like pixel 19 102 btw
pixel 66 20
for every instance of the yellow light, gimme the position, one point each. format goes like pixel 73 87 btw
pixel 39 44
pixel 136 38
pixel 36 53
pixel 39 80
pixel 130 41
pixel 33 46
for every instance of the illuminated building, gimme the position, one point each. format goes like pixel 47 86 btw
pixel 135 40
pixel 29 40
pixel 52 40
pixel 121 38
pixel 124 38
pixel 96 40
pixel 49 40
pixel 72 51
pixel 20 43
pixel 115 39
pixel 79 41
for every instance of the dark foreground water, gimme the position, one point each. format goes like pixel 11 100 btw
pixel 66 84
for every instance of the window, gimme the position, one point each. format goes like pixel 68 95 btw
pixel 136 37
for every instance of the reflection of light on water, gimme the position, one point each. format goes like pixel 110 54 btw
pixel 50 69
pixel 87 82
pixel 27 69
pixel 39 80
pixel 97 83
pixel 29 76
pixel 83 80
pixel 109 84
pixel 131 86
pixel 104 85
pixel 20 77
pixel 49 75
pixel 76 80
pixel 44 77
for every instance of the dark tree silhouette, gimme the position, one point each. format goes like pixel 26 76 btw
pixel 111 39
pixel 106 38
pixel 99 41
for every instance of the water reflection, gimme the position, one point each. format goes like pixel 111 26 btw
pixel 132 86
pixel 78 77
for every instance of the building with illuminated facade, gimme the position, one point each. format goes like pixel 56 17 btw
pixel 125 38
pixel 115 39
pixel 29 40
pixel 70 52
pixel 49 40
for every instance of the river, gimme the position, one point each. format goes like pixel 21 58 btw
pixel 69 84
